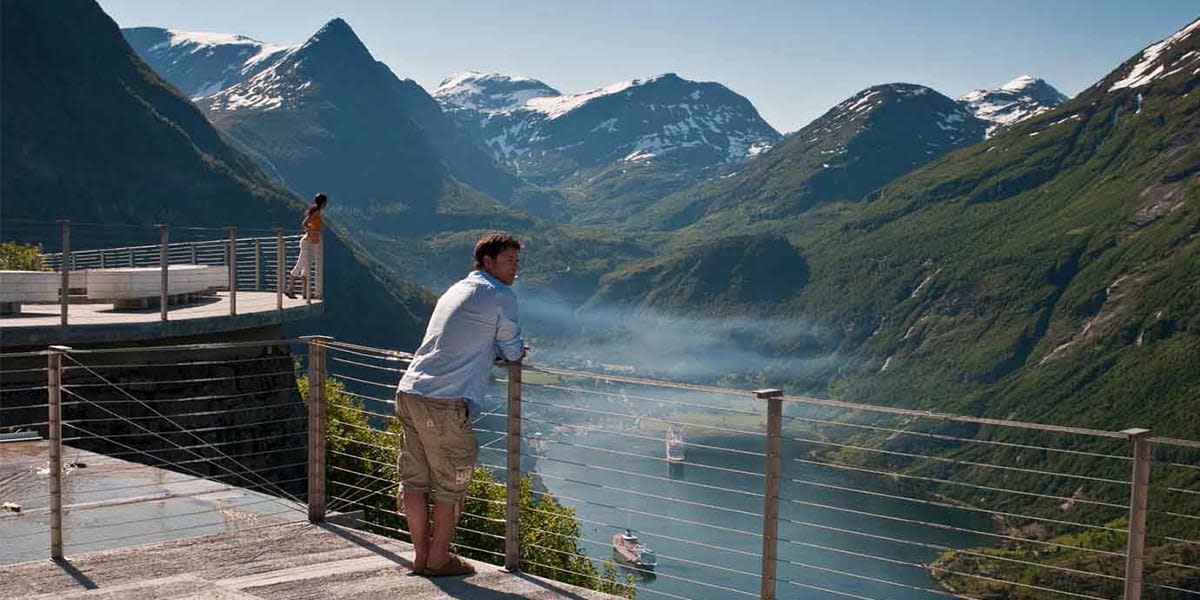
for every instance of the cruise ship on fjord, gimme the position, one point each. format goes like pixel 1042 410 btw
pixel 629 551
pixel 676 443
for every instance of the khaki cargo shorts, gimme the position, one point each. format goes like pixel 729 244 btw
pixel 439 450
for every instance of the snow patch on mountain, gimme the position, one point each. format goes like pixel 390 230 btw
pixel 948 121
pixel 489 93
pixel 265 91
pixel 203 63
pixel 556 106
pixel 743 146
pixel 758 148
pixel 1013 102
pixel 1150 68
pixel 199 41
pixel 1021 84
pixel 609 125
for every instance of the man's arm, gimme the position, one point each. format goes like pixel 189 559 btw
pixel 510 344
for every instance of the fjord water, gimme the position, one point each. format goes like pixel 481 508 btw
pixel 703 517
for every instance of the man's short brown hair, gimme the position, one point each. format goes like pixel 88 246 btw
pixel 493 244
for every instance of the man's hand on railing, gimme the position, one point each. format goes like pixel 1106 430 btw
pixel 500 360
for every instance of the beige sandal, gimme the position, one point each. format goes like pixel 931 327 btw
pixel 453 567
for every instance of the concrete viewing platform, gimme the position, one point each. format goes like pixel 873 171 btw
pixel 291 561
pixel 142 532
pixel 40 324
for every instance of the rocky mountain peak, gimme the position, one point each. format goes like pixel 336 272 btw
pixel 917 104
pixel 333 48
pixel 334 58
pixel 1013 102
pixel 489 92
pixel 337 33
pixel 1035 88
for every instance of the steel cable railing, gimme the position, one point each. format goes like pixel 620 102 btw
pixel 633 436
pixel 1173 509
pixel 646 417
pixel 740 492
pixel 930 546
pixel 901 475
pixel 207 441
pixel 207 459
pixel 635 455
pixel 894 474
pixel 639 437
pixel 196 363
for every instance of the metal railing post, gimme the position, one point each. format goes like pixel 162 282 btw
pixel 103 263
pixel 512 481
pixel 195 254
pixel 316 427
pixel 280 255
pixel 321 270
pixel 308 278
pixel 1136 544
pixel 54 401
pixel 163 263
pixel 131 262
pixel 65 292
pixel 257 266
pixel 770 524
pixel 231 264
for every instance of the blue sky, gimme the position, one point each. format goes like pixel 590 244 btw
pixel 793 60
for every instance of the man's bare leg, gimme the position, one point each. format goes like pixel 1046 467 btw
pixel 416 510
pixel 445 516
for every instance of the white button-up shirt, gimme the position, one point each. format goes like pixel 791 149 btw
pixel 474 322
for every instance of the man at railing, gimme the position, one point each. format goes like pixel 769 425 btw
pixel 474 322
pixel 311 223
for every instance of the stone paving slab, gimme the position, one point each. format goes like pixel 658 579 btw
pixel 292 561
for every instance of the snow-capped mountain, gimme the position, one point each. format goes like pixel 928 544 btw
pixel 939 124
pixel 329 117
pixel 1013 102
pixel 548 136
pixel 331 56
pixel 200 63
pixel 236 79
pixel 853 149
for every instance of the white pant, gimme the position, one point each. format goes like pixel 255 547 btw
pixel 308 252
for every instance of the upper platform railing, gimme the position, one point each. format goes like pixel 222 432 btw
pixel 740 492
pixel 249 264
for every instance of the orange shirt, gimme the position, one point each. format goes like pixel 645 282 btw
pixel 312 226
